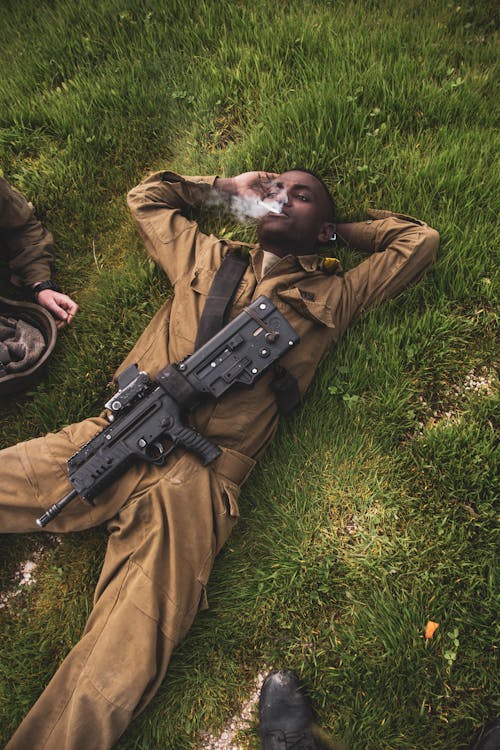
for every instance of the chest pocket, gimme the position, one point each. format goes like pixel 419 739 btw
pixel 202 281
pixel 190 298
pixel 308 307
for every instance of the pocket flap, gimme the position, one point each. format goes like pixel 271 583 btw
pixel 313 309
pixel 234 466
pixel 202 281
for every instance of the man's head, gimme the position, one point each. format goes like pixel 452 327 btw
pixel 307 218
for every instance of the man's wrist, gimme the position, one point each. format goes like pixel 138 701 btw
pixel 359 234
pixel 41 285
pixel 225 185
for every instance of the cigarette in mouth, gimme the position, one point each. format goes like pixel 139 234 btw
pixel 270 208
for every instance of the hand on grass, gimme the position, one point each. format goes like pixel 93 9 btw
pixel 60 305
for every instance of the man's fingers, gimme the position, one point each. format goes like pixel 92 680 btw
pixel 69 305
pixel 269 176
pixel 60 305
pixel 256 182
pixel 266 178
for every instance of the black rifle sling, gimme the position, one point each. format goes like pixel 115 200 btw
pixel 217 306
pixel 220 296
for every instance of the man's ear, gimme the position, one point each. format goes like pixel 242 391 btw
pixel 326 232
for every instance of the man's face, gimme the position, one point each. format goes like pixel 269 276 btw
pixel 304 219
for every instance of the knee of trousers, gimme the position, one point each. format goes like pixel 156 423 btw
pixel 136 633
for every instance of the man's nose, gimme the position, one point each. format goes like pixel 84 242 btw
pixel 282 197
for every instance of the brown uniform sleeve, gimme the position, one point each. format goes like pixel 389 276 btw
pixel 160 205
pixel 402 249
pixel 25 244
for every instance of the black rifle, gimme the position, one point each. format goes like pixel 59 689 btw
pixel 144 411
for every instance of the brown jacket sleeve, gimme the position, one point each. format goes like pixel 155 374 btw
pixel 160 205
pixel 25 244
pixel 402 249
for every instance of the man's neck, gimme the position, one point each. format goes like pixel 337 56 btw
pixel 282 252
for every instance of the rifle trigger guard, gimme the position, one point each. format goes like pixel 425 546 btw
pixel 156 453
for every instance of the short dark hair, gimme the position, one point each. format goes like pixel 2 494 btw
pixel 332 214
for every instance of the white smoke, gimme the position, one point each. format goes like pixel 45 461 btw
pixel 245 209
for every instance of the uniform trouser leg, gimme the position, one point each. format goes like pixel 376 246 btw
pixel 160 552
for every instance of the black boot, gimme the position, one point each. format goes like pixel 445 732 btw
pixel 286 714
pixel 488 737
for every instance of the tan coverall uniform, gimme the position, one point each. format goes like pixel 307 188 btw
pixel 25 244
pixel 167 524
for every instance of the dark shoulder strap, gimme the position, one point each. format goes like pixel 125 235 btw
pixel 217 306
pixel 221 295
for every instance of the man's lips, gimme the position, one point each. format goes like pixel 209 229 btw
pixel 277 214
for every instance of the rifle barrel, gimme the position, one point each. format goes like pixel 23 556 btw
pixel 55 509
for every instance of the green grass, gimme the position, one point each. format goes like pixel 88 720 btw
pixel 376 509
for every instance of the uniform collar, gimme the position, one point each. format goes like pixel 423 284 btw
pixel 289 263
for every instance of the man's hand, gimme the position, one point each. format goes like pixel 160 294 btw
pixel 247 184
pixel 59 304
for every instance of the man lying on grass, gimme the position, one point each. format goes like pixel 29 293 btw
pixel 167 523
